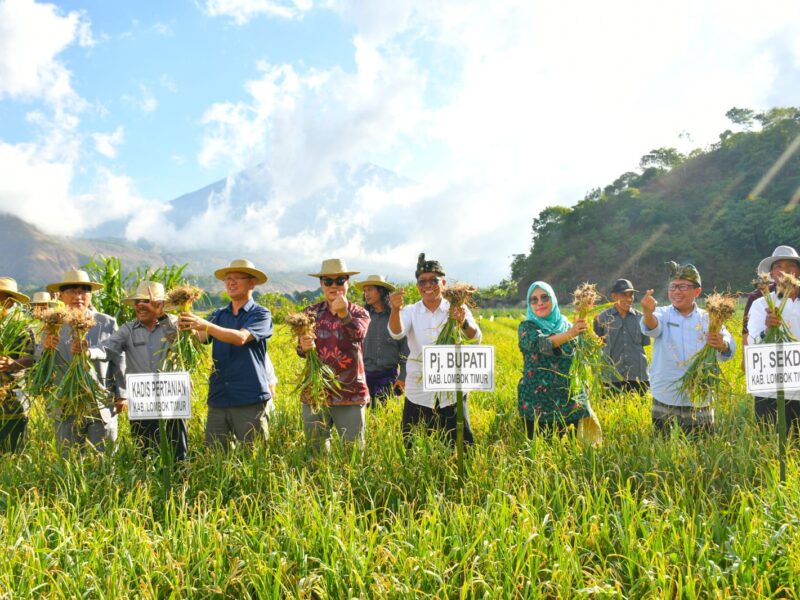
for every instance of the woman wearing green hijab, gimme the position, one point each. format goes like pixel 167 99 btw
pixel 545 340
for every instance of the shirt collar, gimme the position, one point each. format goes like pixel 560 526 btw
pixel 246 308
pixel 159 321
pixel 444 306
pixel 691 314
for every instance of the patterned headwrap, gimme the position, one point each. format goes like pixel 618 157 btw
pixel 428 266
pixel 687 272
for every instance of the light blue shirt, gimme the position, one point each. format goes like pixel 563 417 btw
pixel 676 339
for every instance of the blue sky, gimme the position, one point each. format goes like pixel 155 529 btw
pixel 488 110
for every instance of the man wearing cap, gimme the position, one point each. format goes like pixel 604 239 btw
pixel 75 290
pixel 619 326
pixel 384 357
pixel 759 318
pixel 239 400
pixel 679 331
pixel 339 332
pixel 145 342
pixel 421 323
pixel 13 405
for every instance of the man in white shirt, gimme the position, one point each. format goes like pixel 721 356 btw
pixel 784 260
pixel 421 323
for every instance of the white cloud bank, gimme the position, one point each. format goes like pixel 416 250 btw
pixel 490 111
pixel 37 176
pixel 494 109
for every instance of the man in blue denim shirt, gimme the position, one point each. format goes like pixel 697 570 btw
pixel 679 331
pixel 239 401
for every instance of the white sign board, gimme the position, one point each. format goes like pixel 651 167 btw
pixel 772 367
pixel 453 368
pixel 159 395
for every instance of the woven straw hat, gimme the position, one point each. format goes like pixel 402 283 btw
pixel 74 277
pixel 780 253
pixel 241 265
pixel 9 286
pixel 333 266
pixel 42 298
pixel 147 290
pixel 378 280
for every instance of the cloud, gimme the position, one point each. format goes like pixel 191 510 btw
pixel 495 110
pixel 38 176
pixel 106 143
pixel 31 37
pixel 243 11
pixel 145 101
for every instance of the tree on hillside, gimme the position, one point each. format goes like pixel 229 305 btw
pixel 703 212
pixel 662 158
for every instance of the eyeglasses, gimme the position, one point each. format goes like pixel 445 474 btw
pixel 329 281
pixel 427 282
pixel 138 302
pixel 75 290
pixel 681 287
pixel 540 299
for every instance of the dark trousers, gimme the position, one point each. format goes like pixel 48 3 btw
pixel 630 385
pixel 434 419
pixel 767 413
pixel 381 385
pixel 532 428
pixel 12 432
pixel 147 434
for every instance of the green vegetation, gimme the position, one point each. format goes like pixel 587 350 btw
pixel 641 516
pixel 723 208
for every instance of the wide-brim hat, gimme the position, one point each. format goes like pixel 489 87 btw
pixel 378 280
pixel 333 266
pixel 147 290
pixel 241 265
pixel 9 286
pixel 42 298
pixel 780 253
pixel 74 277
pixel 621 286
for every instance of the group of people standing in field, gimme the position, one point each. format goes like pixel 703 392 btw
pixel 375 352
pixel 677 332
pixel 367 348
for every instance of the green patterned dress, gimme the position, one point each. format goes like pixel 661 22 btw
pixel 543 391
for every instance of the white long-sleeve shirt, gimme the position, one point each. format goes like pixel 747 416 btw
pixel 757 326
pixel 422 327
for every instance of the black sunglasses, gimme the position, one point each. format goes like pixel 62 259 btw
pixel 329 281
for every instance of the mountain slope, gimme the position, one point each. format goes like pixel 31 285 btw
pixel 723 209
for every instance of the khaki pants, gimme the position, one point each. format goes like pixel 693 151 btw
pixel 241 423
pixel 348 420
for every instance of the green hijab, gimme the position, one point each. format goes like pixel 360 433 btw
pixel 552 323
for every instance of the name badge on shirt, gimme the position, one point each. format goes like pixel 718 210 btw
pixel 672 324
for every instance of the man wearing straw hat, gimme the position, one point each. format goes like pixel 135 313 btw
pixel 13 405
pixel 339 339
pixel 75 290
pixel 679 331
pixel 145 342
pixel 421 322
pixel 239 400
pixel 40 302
pixel 384 357
pixel 758 319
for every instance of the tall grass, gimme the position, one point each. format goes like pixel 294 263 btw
pixel 643 516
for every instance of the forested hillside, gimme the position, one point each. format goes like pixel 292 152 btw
pixel 723 209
